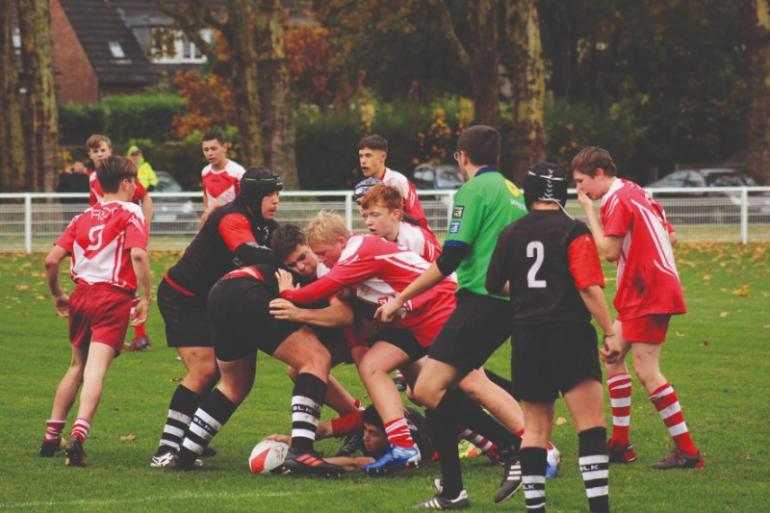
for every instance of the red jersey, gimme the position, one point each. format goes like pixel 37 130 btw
pixel 379 270
pixel 222 186
pixel 648 281
pixel 412 205
pixel 99 241
pixel 96 193
pixel 420 240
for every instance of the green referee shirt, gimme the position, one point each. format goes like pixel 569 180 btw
pixel 482 207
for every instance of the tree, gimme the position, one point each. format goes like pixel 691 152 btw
pixel 41 115
pixel 523 59
pixel 12 164
pixel 757 22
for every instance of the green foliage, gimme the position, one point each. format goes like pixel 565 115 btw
pixel 78 121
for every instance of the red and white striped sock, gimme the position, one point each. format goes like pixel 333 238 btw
pixel 53 429
pixel 619 386
pixel 398 433
pixel 80 429
pixel 480 441
pixel 140 331
pixel 667 404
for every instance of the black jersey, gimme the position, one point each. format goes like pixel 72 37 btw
pixel 209 256
pixel 533 255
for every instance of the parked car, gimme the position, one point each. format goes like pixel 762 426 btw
pixel 437 176
pixel 680 207
pixel 172 214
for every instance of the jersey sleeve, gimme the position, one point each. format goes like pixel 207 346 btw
pixel 349 423
pixel 67 238
pixel 467 211
pixel 584 264
pixel 235 230
pixel 136 233
pixel 140 193
pixel 617 219
pixel 497 272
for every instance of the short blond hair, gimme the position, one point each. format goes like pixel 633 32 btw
pixel 326 226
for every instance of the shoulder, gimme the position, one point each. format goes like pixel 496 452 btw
pixel 235 169
pixel 206 169
pixel 356 245
pixel 394 178
pixel 132 208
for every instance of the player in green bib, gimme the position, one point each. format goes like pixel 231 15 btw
pixel 483 207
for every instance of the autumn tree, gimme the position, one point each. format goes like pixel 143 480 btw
pixel 757 22
pixel 12 164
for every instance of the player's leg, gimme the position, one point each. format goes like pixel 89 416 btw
pixel 63 401
pixel 499 402
pixel 537 432
pixel 619 387
pixel 337 397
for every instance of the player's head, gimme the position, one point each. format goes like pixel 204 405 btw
pixel 364 186
pixel 372 152
pixel 260 190
pixel 374 438
pixel 478 145
pixel 545 182
pixel 214 148
pixel 593 171
pixel 99 147
pixel 327 235
pixel 117 175
pixel 383 209
pixel 290 245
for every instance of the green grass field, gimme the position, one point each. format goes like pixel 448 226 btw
pixel 718 357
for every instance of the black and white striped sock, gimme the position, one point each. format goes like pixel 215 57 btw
pixel 533 460
pixel 183 404
pixel 212 414
pixel 306 404
pixel 594 465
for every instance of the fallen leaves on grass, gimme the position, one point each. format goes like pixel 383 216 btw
pixel 724 314
pixel 704 344
pixel 560 421
pixel 176 379
pixel 128 438
pixel 742 291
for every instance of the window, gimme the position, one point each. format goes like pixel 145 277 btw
pixel 172 47
pixel 116 50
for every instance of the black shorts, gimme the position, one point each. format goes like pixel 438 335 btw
pixel 184 317
pixel 547 360
pixel 402 339
pixel 477 327
pixel 333 339
pixel 240 320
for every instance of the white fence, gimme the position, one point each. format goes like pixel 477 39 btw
pixel 31 221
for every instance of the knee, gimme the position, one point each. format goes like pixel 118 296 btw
pixel 426 395
pixel 203 374
pixel 291 372
pixel 367 368
pixel 318 363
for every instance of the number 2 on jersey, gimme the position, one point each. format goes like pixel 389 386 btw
pixel 536 250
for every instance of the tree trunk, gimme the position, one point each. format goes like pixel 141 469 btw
pixel 524 62
pixel 276 101
pixel 238 32
pixel 11 134
pixel 41 120
pixel 757 22
pixel 485 76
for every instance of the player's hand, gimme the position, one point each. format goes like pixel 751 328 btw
pixel 388 311
pixel 139 315
pixel 285 281
pixel 612 349
pixel 586 202
pixel 284 310
pixel 62 305
pixel 278 438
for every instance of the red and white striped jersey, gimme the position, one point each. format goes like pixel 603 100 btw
pixel 379 270
pixel 99 241
pixel 412 205
pixel 96 193
pixel 221 187
pixel 648 281
pixel 420 240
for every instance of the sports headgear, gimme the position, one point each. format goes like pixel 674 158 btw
pixel 257 182
pixel 545 182
pixel 362 187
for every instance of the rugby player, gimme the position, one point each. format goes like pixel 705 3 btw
pixel 221 177
pixel 108 247
pixel 633 231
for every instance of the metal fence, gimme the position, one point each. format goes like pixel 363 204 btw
pixel 31 221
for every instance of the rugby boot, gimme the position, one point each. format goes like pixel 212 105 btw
pixel 438 501
pixel 395 457
pixel 678 459
pixel 621 453
pixel 177 462
pixel 511 481
pixel 75 455
pixel 308 463
pixel 350 444
pixel 209 451
pixel 49 448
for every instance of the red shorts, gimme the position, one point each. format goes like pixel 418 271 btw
pixel 100 313
pixel 649 329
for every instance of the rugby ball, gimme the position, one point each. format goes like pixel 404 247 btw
pixel 267 455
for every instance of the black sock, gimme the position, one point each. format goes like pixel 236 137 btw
pixel 183 404
pixel 306 403
pixel 213 413
pixel 594 465
pixel 475 418
pixel 533 460
pixel 443 430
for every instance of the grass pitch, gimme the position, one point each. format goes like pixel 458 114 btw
pixel 717 356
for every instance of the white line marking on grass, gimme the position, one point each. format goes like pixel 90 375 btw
pixel 138 500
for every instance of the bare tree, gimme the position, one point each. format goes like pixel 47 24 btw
pixel 12 164
pixel 757 23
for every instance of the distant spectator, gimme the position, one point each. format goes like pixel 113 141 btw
pixel 145 172
pixel 73 179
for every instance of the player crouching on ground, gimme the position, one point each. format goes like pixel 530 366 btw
pixel 241 324
pixel 549 264
pixel 107 244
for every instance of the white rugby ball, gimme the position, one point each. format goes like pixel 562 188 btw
pixel 267 455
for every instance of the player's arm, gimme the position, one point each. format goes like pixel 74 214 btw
pixel 336 314
pixel 52 261
pixel 147 211
pixel 140 261
pixel 322 288
pixel 609 245
pixel 430 277
pixel 235 231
